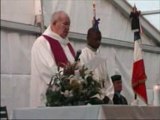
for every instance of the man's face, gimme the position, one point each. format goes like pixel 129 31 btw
pixel 117 85
pixel 62 26
pixel 94 40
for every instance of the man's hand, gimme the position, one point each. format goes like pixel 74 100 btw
pixel 69 69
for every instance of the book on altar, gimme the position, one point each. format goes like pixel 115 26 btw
pixel 95 62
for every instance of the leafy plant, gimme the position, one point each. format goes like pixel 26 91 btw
pixel 73 88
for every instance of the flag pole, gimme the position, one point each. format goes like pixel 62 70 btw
pixel 138 80
pixel 135 96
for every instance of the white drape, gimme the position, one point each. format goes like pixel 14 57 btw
pixel 100 73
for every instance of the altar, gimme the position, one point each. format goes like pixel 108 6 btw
pixel 89 112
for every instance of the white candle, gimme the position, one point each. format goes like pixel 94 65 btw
pixel 94 8
pixel 156 95
pixel 94 4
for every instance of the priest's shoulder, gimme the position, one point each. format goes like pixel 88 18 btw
pixel 40 42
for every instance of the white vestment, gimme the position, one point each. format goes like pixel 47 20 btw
pixel 100 73
pixel 43 66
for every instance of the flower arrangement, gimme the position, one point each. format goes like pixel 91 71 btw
pixel 68 88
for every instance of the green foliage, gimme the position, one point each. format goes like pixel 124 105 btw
pixel 69 89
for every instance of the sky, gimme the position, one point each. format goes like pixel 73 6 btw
pixel 148 5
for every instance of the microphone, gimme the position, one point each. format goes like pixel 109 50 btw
pixel 77 55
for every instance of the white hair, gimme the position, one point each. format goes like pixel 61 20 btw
pixel 57 15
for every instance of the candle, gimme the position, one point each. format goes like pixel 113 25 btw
pixel 94 8
pixel 156 95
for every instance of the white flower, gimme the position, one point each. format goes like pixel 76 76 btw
pixel 55 88
pixel 67 93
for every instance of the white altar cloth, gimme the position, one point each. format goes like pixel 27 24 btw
pixel 89 112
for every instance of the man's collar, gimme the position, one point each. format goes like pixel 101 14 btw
pixel 92 49
pixel 54 35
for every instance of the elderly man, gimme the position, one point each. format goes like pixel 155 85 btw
pixel 50 50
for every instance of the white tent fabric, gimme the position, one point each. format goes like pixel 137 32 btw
pixel 112 24
pixel 22 11
pixel 15 68
pixel 16 46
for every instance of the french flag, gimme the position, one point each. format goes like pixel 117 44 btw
pixel 138 74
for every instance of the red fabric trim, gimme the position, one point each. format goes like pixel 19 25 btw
pixel 138 71
pixel 58 52
pixel 140 90
pixel 138 79
pixel 71 49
